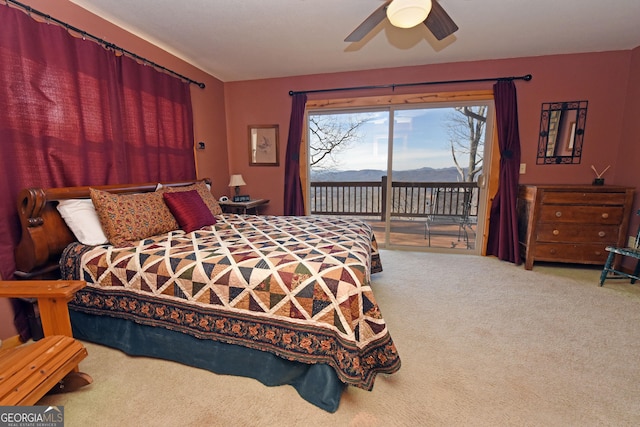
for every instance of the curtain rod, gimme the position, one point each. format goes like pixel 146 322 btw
pixel 393 85
pixel 105 43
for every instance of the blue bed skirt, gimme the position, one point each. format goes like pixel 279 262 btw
pixel 317 384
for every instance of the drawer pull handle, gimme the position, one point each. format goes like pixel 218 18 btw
pixel 605 215
pixel 558 214
pixel 598 253
pixel 553 251
pixel 556 232
pixel 601 233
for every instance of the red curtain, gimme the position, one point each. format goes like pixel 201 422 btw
pixel 293 197
pixel 503 224
pixel 75 113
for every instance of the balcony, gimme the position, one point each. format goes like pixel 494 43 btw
pixel 427 214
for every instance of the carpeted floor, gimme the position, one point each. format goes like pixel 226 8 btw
pixel 482 342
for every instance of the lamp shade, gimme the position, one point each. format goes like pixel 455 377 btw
pixel 408 13
pixel 236 180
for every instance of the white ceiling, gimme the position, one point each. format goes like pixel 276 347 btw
pixel 253 39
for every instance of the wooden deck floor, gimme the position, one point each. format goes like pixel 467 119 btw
pixel 414 234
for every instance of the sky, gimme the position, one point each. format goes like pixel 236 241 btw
pixel 421 139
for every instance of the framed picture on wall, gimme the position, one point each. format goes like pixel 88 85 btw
pixel 263 145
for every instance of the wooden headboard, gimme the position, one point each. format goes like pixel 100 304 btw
pixel 44 232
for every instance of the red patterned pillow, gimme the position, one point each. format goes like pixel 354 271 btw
pixel 127 218
pixel 189 209
pixel 204 193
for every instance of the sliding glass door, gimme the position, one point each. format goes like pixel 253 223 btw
pixel 412 172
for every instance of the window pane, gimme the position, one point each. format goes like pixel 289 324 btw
pixel 424 197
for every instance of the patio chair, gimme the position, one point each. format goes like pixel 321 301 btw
pixel 455 215
pixel 609 272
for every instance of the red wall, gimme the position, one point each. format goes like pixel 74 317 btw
pixel 627 169
pixel 600 78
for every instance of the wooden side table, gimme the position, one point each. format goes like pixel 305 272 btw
pixel 243 207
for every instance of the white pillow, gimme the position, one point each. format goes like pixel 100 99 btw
pixel 82 219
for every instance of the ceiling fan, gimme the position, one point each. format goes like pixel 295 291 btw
pixel 407 14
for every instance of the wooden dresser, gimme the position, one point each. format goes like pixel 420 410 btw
pixel 572 223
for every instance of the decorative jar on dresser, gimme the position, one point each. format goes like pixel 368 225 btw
pixel 572 223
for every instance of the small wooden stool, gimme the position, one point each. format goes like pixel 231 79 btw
pixel 50 365
pixel 30 371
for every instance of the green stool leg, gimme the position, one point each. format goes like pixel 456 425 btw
pixel 636 272
pixel 607 268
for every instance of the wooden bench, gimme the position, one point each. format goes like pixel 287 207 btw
pixel 30 371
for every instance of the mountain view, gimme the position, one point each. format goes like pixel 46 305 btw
pixel 426 174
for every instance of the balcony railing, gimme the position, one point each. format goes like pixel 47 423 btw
pixel 408 199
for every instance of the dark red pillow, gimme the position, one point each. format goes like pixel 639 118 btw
pixel 189 210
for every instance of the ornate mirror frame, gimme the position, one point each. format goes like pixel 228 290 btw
pixel 561 132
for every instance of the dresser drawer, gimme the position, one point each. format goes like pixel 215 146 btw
pixel 583 198
pixel 571 223
pixel 587 253
pixel 582 214
pixel 577 233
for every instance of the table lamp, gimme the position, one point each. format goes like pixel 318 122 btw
pixel 236 181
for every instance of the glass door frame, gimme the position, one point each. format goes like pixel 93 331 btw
pixel 488 182
pixel 489 135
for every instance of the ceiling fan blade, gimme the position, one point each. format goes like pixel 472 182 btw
pixel 439 22
pixel 368 24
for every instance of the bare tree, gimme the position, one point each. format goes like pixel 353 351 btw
pixel 466 139
pixel 331 134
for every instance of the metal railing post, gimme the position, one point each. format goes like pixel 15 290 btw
pixel 383 209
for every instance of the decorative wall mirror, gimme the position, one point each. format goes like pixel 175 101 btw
pixel 561 132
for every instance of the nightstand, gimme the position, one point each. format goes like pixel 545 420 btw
pixel 243 207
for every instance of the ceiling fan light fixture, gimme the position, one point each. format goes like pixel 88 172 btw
pixel 408 13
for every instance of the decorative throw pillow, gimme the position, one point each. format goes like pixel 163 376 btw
pixel 189 209
pixel 127 218
pixel 81 217
pixel 203 191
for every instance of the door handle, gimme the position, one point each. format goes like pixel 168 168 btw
pixel 481 181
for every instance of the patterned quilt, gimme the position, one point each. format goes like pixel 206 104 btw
pixel 298 287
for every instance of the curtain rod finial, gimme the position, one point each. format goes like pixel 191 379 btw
pixel 527 77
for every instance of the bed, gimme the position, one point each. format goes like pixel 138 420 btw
pixel 284 300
